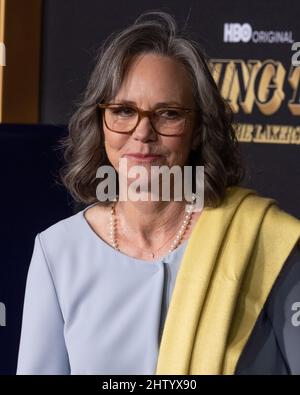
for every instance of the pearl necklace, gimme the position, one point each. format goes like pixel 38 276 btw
pixel 179 235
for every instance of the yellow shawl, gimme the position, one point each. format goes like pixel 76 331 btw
pixel 231 261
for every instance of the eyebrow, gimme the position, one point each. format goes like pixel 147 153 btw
pixel 157 105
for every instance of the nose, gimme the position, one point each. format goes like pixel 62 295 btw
pixel 144 131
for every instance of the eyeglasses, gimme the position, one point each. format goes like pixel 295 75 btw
pixel 124 118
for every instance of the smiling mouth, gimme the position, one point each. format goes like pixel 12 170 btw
pixel 143 157
pixel 138 155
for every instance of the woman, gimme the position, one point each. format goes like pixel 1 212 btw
pixel 144 287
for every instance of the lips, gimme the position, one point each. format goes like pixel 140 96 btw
pixel 138 157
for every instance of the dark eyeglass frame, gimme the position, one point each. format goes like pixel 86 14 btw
pixel 145 113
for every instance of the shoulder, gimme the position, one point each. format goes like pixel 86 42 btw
pixel 72 240
pixel 237 194
pixel 64 229
pixel 63 239
pixel 265 211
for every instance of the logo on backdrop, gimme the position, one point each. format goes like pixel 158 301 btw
pixel 263 85
pixel 238 32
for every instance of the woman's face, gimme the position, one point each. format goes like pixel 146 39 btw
pixel 152 79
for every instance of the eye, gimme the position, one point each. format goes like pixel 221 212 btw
pixel 123 111
pixel 169 113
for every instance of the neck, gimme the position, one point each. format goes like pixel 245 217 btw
pixel 144 220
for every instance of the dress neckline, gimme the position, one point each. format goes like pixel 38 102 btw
pixel 122 254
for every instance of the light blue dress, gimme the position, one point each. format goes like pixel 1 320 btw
pixel 90 309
